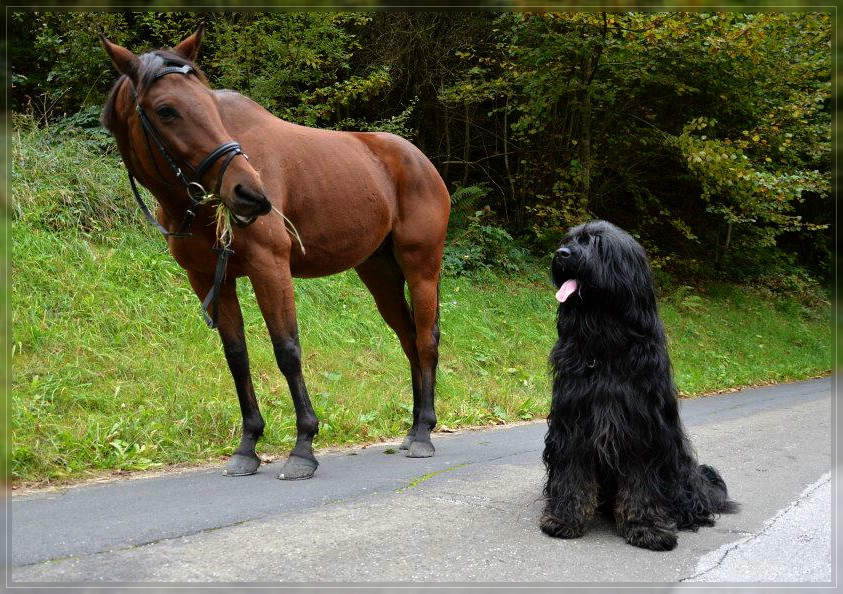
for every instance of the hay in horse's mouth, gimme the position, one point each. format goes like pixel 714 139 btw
pixel 225 216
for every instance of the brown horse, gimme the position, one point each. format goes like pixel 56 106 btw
pixel 368 201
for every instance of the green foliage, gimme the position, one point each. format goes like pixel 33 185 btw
pixel 604 113
pixel 706 134
pixel 399 123
pixel 296 64
pixel 476 241
pixel 760 162
pixel 58 66
pixel 67 178
pixel 739 192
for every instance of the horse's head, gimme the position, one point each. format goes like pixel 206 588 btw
pixel 163 99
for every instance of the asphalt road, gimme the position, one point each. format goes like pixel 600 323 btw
pixel 467 515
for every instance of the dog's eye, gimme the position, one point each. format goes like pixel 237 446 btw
pixel 583 239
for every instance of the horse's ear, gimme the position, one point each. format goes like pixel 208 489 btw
pixel 124 60
pixel 189 47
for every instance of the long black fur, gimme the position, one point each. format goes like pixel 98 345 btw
pixel 615 441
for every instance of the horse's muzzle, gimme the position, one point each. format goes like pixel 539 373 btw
pixel 248 203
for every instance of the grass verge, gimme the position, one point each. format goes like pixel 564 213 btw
pixel 113 367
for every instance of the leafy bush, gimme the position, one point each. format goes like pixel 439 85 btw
pixel 476 241
pixel 715 147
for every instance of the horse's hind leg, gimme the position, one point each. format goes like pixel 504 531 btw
pixel 385 281
pixel 424 294
pixel 244 461
pixel 420 265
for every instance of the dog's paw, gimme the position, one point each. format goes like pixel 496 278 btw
pixel 553 527
pixel 649 537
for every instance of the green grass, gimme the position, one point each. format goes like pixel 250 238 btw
pixel 731 336
pixel 113 367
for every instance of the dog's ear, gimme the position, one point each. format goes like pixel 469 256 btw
pixel 189 47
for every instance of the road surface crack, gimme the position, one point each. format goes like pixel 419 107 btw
pixel 723 552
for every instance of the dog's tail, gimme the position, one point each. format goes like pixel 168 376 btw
pixel 717 493
pixel 702 496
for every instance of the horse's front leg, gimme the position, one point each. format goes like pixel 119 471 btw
pixel 275 299
pixel 244 461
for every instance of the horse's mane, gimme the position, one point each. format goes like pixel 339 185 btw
pixel 150 64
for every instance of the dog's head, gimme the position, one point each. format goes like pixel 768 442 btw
pixel 600 263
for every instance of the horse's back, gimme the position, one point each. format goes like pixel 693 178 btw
pixel 403 161
pixel 349 190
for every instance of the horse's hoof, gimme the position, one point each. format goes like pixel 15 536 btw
pixel 421 449
pixel 405 445
pixel 242 465
pixel 298 468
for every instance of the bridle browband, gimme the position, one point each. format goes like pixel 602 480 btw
pixel 192 181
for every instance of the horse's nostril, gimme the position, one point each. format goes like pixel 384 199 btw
pixel 248 195
pixel 252 199
pixel 245 194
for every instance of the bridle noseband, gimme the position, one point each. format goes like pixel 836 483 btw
pixel 192 181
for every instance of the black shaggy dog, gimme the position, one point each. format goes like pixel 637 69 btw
pixel 615 441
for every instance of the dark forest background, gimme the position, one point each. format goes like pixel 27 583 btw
pixel 706 135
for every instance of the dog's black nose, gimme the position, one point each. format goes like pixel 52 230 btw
pixel 563 252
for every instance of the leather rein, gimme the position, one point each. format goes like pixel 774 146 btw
pixel 192 183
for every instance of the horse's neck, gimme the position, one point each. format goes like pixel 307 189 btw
pixel 169 194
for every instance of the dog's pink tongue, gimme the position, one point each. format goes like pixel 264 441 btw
pixel 568 287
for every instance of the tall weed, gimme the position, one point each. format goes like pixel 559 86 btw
pixel 66 177
pixel 477 243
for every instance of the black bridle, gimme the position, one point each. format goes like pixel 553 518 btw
pixel 191 178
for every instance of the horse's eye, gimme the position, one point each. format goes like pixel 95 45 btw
pixel 166 112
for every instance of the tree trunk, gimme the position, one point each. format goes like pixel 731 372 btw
pixel 509 175
pixel 467 146
pixel 728 240
pixel 585 148
pixel 590 65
